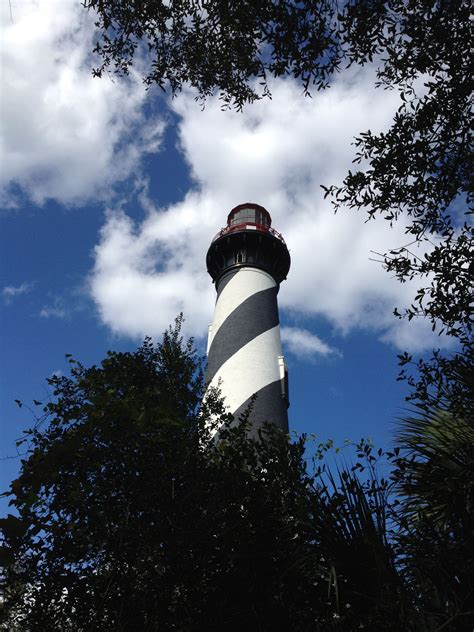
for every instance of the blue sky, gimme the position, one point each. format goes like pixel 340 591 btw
pixel 110 195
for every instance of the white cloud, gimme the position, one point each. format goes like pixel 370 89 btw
pixel 53 311
pixel 145 275
pixel 304 344
pixel 69 137
pixel 9 292
pixel 65 135
pixel 276 153
pixel 71 301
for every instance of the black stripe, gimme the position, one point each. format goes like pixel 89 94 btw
pixel 269 406
pixel 225 279
pixel 256 314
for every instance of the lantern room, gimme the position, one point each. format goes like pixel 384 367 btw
pixel 248 240
pixel 249 214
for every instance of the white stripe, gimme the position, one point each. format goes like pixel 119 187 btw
pixel 254 366
pixel 245 283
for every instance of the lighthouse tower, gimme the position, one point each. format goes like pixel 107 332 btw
pixel 247 261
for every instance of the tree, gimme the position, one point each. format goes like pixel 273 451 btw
pixel 352 517
pixel 129 516
pixel 435 477
pixel 421 168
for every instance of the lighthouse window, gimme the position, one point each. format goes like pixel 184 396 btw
pixel 240 256
pixel 250 216
pixel 262 218
pixel 243 216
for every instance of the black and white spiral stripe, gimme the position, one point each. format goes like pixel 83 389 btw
pixel 244 348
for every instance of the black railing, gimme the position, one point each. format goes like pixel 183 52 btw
pixel 260 227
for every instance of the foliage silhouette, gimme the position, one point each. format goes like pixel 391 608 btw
pixel 129 515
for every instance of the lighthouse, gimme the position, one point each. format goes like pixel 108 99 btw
pixel 247 261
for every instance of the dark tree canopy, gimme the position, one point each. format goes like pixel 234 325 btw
pixel 129 516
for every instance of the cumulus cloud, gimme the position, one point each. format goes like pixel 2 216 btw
pixel 145 275
pixel 276 153
pixel 304 344
pixel 65 135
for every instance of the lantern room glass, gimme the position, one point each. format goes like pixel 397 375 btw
pixel 249 215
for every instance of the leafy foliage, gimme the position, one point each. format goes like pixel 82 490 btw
pixel 129 515
pixel 441 381
pixel 352 513
pixel 436 479
pixel 215 45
